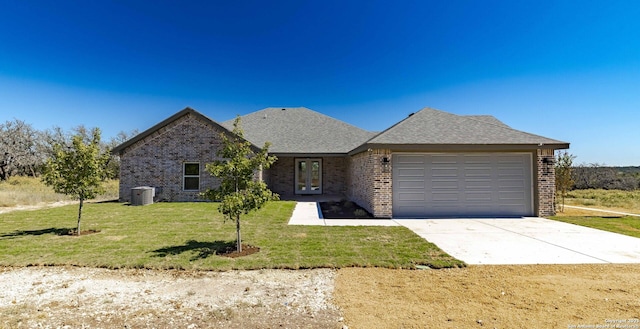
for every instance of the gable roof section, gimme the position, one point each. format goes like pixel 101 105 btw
pixel 299 130
pixel 187 110
pixel 430 127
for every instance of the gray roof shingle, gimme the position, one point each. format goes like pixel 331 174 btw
pixel 299 130
pixel 434 127
pixel 487 119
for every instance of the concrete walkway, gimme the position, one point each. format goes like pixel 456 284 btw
pixel 528 240
pixel 308 213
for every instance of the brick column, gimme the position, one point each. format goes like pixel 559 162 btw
pixel 546 183
pixel 370 184
pixel 382 184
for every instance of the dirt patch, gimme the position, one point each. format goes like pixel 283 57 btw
pixel 39 206
pixel 532 296
pixel 247 250
pixel 74 232
pixel 343 210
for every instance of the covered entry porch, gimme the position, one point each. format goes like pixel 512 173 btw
pixel 308 177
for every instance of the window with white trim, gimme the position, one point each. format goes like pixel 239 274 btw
pixel 191 178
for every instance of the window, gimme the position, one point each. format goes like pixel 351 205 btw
pixel 191 179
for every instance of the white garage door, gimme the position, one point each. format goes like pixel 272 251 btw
pixel 465 185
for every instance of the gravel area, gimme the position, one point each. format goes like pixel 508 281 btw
pixel 70 297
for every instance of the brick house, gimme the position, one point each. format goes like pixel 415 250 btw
pixel 431 164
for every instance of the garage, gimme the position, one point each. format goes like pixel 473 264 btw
pixel 428 185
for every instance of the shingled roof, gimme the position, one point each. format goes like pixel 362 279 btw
pixel 434 127
pixel 299 130
pixel 487 119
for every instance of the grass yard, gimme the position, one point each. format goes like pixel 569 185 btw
pixel 624 201
pixel 628 201
pixel 623 225
pixel 189 236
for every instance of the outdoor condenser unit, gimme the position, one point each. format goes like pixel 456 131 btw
pixel 142 195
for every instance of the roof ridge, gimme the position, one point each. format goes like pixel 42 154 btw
pixel 502 126
pixel 301 130
pixel 396 124
pixel 306 109
pixel 437 126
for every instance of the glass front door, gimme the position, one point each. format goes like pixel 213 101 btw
pixel 308 176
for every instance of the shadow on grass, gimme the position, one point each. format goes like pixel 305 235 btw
pixel 204 249
pixel 107 201
pixel 51 230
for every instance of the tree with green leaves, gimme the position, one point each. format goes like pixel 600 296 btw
pixel 564 177
pixel 239 191
pixel 78 169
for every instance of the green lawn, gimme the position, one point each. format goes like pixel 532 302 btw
pixel 615 199
pixel 187 236
pixel 626 201
pixel 623 225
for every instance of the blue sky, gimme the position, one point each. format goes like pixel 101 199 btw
pixel 568 70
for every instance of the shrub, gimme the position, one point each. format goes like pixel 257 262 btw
pixel 360 213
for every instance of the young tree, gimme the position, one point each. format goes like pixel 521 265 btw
pixel 239 192
pixel 77 170
pixel 564 179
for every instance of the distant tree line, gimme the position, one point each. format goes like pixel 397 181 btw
pixel 25 150
pixel 598 176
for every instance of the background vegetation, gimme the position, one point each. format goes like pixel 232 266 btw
pixel 596 176
pixel 30 191
pixel 628 201
pixel 24 150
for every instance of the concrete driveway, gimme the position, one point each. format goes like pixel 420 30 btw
pixel 527 240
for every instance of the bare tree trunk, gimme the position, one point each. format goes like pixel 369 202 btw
pixel 3 172
pixel 238 241
pixel 79 215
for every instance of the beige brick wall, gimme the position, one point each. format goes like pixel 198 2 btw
pixel 368 184
pixel 545 183
pixel 360 188
pixel 280 176
pixel 334 175
pixel 158 159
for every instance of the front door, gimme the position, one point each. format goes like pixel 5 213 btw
pixel 308 176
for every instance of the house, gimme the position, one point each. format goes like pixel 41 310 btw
pixel 431 164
